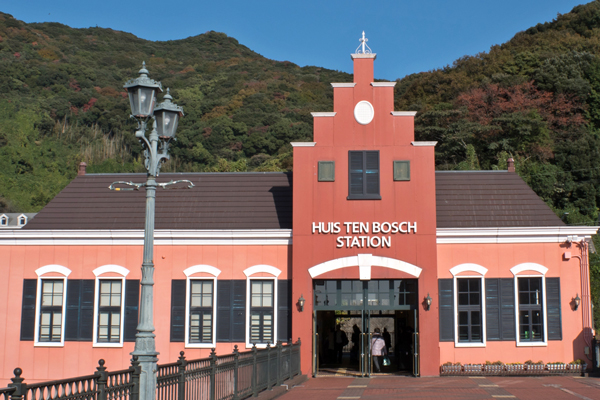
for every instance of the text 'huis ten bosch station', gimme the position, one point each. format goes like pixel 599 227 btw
pixel 359 232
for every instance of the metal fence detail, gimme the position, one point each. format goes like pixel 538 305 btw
pixel 229 377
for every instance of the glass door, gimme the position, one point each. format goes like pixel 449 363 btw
pixel 416 366
pixel 316 346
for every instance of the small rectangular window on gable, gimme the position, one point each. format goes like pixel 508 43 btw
pixel 402 170
pixel 363 175
pixel 326 171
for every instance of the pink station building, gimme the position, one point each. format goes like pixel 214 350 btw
pixel 457 266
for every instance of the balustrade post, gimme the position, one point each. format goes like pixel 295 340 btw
pixel 136 371
pixel 236 361
pixel 17 383
pixel 269 366
pixel 254 371
pixel 213 374
pixel 279 366
pixel 102 379
pixel 291 350
pixel 181 384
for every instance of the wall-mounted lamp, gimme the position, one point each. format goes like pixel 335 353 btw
pixel 301 303
pixel 428 301
pixel 576 301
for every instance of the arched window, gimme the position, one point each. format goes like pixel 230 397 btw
pixel 261 305
pixel 50 307
pixel 109 305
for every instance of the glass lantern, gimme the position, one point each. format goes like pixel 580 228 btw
pixel 142 94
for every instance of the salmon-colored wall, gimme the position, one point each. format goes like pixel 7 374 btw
pixel 411 201
pixel 499 259
pixel 80 358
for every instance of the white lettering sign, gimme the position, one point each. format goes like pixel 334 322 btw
pixel 359 232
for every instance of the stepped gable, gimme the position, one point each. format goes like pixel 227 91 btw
pixel 489 199
pixel 465 199
pixel 218 201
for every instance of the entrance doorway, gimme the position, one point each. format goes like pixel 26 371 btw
pixel 347 314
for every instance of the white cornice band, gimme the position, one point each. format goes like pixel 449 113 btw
pixel 343 84
pixel 383 84
pixel 404 113
pixel 162 237
pixel 424 144
pixel 557 234
pixel 323 114
pixel 303 144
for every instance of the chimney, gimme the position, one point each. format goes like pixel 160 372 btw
pixel 511 164
pixel 81 171
pixel 363 62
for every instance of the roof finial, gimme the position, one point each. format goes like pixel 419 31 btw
pixel 363 48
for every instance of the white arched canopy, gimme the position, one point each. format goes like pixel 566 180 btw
pixel 364 262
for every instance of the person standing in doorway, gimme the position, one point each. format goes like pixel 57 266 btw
pixel 387 339
pixel 341 340
pixel 378 349
pixel 355 344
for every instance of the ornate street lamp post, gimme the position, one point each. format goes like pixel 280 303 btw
pixel 142 97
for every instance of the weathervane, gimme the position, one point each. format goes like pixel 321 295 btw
pixel 363 48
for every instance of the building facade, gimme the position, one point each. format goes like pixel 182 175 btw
pixel 455 266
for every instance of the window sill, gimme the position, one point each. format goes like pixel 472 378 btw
pixel 363 197
pixel 107 345
pixel 469 344
pixel 200 345
pixel 49 344
pixel 532 344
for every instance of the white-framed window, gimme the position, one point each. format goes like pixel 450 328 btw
pixel 201 306
pixel 22 220
pixel 530 304
pixel 3 220
pixel 469 305
pixel 261 305
pixel 51 304
pixel 109 305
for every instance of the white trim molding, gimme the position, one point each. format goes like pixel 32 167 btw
pixel 343 85
pixel 303 144
pixel 188 291
pixel 262 268
pixel 481 301
pixel 556 234
pixel 364 262
pixel 209 269
pixel 50 269
pixel 53 268
pixel 117 269
pixel 162 237
pixel 529 267
pixel 468 267
pixel 424 144
pixel 404 113
pixel 323 114
pixel 383 84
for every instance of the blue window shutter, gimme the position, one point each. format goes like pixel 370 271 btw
pixel 28 309
pixel 284 312
pixel 178 310
pixel 132 301
pixel 492 309
pixel 238 326
pixel 224 311
pixel 446 294
pixel 507 309
pixel 554 319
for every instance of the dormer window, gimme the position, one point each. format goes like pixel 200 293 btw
pixel 22 220
pixel 4 220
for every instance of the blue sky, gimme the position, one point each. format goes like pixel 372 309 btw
pixel 408 36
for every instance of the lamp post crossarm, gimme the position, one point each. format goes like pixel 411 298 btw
pixel 136 186
pixel 165 185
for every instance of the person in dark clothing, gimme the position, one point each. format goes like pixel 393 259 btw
pixel 355 343
pixel 387 339
pixel 341 339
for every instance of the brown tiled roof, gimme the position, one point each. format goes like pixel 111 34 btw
pixel 218 201
pixel 264 201
pixel 477 199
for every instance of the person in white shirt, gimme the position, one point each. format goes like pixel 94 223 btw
pixel 378 349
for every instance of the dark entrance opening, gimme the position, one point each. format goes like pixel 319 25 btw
pixel 359 308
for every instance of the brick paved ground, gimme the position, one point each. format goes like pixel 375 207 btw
pixel 385 387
